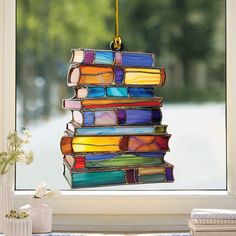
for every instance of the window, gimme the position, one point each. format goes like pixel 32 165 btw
pixel 124 203
pixel 189 42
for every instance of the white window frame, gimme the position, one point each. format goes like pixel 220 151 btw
pixel 121 210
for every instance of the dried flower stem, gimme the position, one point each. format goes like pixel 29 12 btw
pixel 15 152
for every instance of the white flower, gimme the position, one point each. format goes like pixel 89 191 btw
pixel 41 190
pixel 53 193
pixel 27 133
pixel 29 157
pixel 26 157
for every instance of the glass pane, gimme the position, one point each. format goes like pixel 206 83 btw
pixel 188 39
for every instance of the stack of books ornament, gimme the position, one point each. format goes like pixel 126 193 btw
pixel 115 136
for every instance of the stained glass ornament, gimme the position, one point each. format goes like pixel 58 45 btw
pixel 116 135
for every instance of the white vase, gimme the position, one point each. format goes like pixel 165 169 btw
pixel 41 215
pixel 19 227
pixel 6 203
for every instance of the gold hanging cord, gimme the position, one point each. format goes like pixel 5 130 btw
pixel 117 39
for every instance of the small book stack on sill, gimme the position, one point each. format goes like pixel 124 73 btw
pixel 213 222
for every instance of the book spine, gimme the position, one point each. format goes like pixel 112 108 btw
pixel 83 92
pixel 125 143
pixel 91 56
pixel 117 117
pixel 75 104
pixel 214 221
pixel 141 175
pixel 97 75
pixel 80 161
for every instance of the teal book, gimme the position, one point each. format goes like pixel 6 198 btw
pixel 115 130
pixel 118 176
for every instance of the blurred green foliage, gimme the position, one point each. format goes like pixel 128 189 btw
pixel 188 37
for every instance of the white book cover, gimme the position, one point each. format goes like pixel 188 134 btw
pixel 213 214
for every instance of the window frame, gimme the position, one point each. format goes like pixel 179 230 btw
pixel 121 203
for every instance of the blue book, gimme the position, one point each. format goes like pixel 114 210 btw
pixel 115 117
pixel 108 57
pixel 83 92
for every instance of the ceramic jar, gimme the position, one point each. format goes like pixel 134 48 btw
pixel 6 203
pixel 41 215
pixel 19 227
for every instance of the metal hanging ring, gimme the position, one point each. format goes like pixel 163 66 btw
pixel 116 44
pixel 114 49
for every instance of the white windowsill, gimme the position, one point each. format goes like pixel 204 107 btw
pixel 151 194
